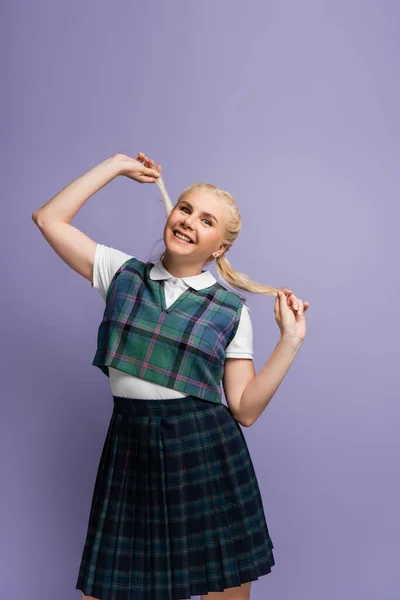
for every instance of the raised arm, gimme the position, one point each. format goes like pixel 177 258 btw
pixel 54 218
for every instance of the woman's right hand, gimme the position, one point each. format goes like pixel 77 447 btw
pixel 140 169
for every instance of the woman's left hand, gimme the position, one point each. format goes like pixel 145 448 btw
pixel 290 314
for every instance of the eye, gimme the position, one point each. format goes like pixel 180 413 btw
pixel 186 208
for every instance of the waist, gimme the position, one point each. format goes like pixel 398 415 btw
pixel 161 407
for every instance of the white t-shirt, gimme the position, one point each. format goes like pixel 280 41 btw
pixel 107 261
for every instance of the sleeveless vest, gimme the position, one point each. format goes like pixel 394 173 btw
pixel 180 347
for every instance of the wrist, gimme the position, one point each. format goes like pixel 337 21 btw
pixel 114 164
pixel 119 162
pixel 292 340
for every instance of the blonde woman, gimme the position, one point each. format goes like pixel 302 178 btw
pixel 176 509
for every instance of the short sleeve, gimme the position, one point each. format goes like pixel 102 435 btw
pixel 242 344
pixel 106 263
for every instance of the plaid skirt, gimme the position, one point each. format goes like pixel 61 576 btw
pixel 176 509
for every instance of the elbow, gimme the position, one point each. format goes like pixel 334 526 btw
pixel 35 217
pixel 249 420
pixel 242 420
pixel 246 422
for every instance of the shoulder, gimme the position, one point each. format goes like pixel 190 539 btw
pixel 245 318
pixel 245 314
pixel 107 261
pixel 228 296
pixel 241 345
pixel 113 258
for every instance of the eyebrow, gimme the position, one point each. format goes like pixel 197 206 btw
pixel 204 213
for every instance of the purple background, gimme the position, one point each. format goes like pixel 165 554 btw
pixel 293 108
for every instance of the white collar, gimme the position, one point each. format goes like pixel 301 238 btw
pixel 198 282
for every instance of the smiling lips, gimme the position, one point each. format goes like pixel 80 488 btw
pixel 185 241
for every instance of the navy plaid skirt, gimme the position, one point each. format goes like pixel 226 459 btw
pixel 176 509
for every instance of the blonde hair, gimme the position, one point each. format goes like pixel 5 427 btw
pixel 233 279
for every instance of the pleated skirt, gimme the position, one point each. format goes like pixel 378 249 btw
pixel 176 509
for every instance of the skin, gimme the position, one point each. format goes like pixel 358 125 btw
pixel 182 259
pixel 235 593
pixel 185 260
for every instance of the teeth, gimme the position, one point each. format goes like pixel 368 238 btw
pixel 182 237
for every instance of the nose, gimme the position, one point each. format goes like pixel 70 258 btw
pixel 186 222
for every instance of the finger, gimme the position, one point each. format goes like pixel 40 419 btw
pixel 301 308
pixel 145 179
pixel 282 299
pixel 156 167
pixel 150 172
pixel 286 290
pixel 292 301
pixel 276 305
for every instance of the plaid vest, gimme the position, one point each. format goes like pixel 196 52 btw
pixel 180 347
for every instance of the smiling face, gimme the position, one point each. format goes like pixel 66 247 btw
pixel 202 217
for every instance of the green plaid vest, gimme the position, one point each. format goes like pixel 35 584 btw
pixel 180 347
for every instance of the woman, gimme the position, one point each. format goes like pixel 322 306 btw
pixel 176 509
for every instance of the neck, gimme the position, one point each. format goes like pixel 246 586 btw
pixel 174 266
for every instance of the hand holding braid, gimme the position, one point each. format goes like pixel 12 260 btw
pixel 138 169
pixel 159 181
pixel 290 314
